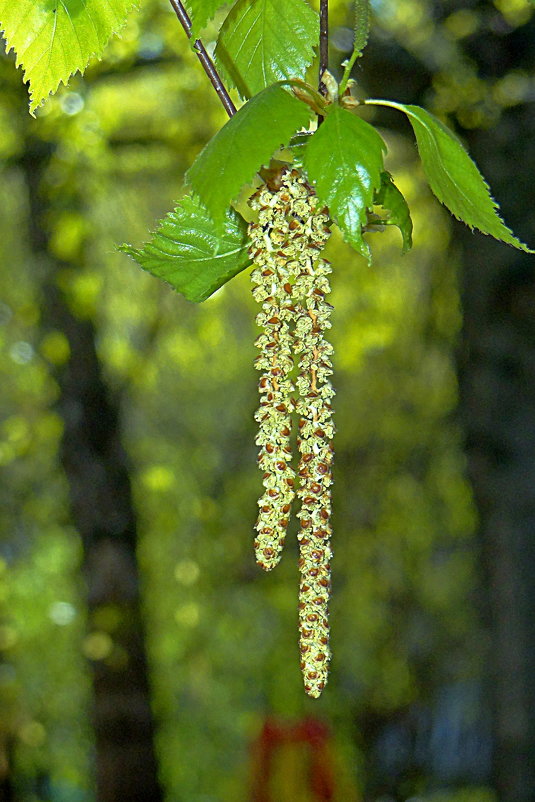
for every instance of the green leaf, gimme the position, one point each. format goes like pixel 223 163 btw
pixel 53 39
pixel 191 254
pixel 297 147
pixel 344 161
pixel 201 11
pixel 243 145
pixel 391 199
pixel 453 176
pixel 263 41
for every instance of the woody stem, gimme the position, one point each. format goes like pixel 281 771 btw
pixel 207 63
pixel 324 43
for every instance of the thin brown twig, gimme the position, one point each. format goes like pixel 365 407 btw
pixel 204 58
pixel 324 43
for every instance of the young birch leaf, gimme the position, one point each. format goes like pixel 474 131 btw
pixel 344 161
pixel 263 41
pixel 453 176
pixel 391 199
pixel 191 254
pixel 53 39
pixel 201 11
pixel 243 145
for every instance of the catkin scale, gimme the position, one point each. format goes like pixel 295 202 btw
pixel 290 280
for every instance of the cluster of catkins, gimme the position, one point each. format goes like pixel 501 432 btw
pixel 290 281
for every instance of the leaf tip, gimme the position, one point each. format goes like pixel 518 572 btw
pixel 135 253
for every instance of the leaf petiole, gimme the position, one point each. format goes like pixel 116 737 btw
pixel 391 103
pixel 301 88
pixel 349 64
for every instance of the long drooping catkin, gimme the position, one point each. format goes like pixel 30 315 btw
pixel 272 287
pixel 290 281
pixel 316 431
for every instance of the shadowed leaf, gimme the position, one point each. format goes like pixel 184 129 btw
pixel 398 213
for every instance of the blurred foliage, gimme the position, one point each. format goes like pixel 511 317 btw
pixel 222 635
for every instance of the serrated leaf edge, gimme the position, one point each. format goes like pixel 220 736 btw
pixel 196 30
pixel 34 104
pixel 406 246
pixel 517 243
pixel 227 73
pixel 135 254
pixel 286 82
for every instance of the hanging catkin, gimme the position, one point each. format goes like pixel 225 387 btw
pixel 314 439
pixel 316 431
pixel 290 281
pixel 272 287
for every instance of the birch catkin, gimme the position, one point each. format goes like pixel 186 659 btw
pixel 316 455
pixel 290 281
pixel 272 287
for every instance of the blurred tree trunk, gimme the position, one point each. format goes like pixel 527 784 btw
pixel 6 769
pixel 497 369
pixel 497 383
pixel 497 374
pixel 101 504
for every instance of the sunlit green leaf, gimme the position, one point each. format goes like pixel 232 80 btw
pixel 201 12
pixel 344 161
pixel 243 145
pixel 53 39
pixel 263 41
pixel 398 213
pixel 453 176
pixel 191 254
